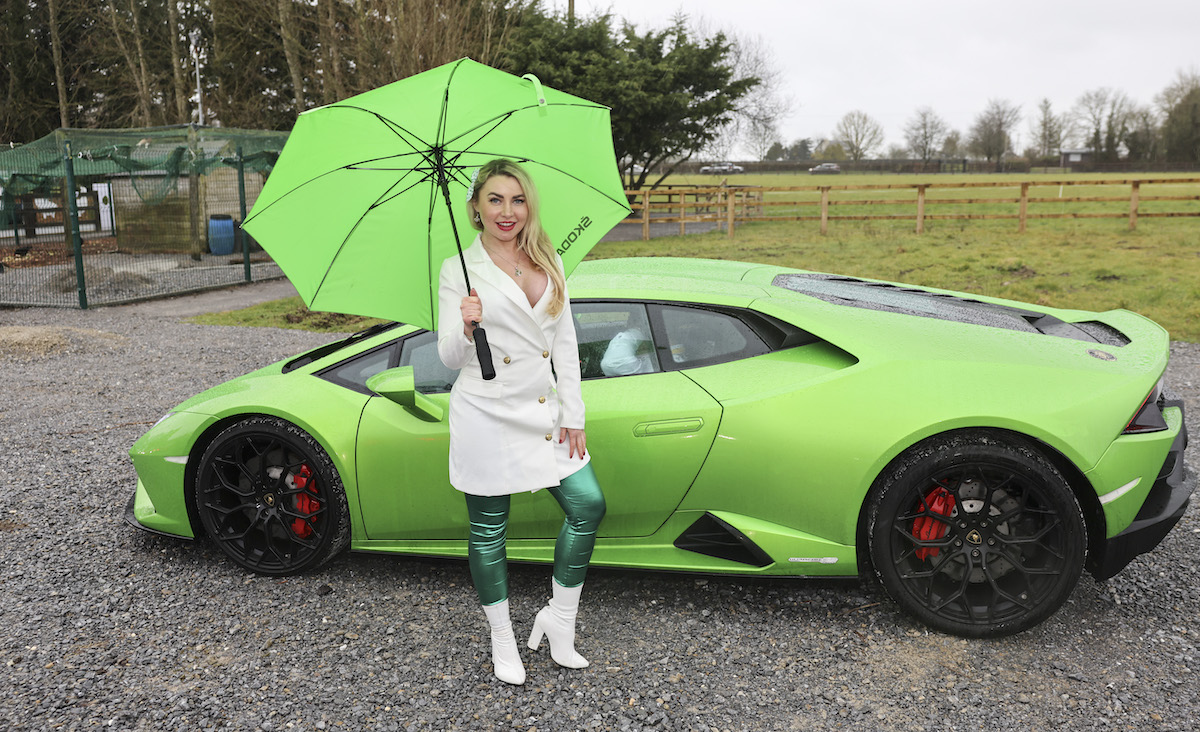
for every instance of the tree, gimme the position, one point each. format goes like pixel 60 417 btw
pixel 952 145
pixel 1047 131
pixel 801 149
pixel 858 134
pixel 1180 104
pixel 1103 116
pixel 1144 139
pixel 670 93
pixel 761 138
pixel 991 135
pixel 1181 130
pixel 925 133
pixel 830 150
pixel 755 117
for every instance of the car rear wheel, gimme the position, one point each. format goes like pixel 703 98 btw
pixel 976 535
pixel 270 497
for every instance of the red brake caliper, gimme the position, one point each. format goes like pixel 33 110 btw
pixel 306 503
pixel 940 502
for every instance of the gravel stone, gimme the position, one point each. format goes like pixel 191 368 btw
pixel 111 628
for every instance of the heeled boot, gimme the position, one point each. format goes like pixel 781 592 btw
pixel 506 659
pixel 556 622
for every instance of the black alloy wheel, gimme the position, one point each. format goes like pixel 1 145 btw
pixel 976 534
pixel 270 497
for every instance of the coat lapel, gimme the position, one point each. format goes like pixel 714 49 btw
pixel 482 266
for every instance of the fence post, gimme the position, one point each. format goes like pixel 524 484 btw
pixel 73 222
pixel 824 210
pixel 646 215
pixel 1133 204
pixel 682 210
pixel 194 212
pixel 730 203
pixel 920 209
pixel 241 234
pixel 1024 208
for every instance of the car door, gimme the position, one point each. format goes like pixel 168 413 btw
pixel 648 432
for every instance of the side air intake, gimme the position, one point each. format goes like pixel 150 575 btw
pixel 713 537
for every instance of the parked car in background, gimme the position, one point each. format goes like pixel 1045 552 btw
pixel 825 169
pixel 725 167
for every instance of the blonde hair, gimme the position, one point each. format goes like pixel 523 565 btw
pixel 532 239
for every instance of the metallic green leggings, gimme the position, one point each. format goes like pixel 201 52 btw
pixel 583 503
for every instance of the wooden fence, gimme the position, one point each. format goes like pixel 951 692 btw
pixel 728 206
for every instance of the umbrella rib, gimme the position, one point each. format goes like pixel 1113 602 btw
pixel 342 246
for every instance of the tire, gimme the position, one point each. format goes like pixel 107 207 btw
pixel 269 496
pixel 976 534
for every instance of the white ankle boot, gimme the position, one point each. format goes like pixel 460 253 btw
pixel 506 660
pixel 556 621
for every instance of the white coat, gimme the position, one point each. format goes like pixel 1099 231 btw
pixel 504 433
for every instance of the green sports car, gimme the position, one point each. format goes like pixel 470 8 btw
pixel 974 454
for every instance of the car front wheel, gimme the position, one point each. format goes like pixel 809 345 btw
pixel 270 497
pixel 976 534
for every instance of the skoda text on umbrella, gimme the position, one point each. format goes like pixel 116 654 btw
pixel 358 211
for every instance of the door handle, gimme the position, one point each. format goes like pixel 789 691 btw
pixel 668 427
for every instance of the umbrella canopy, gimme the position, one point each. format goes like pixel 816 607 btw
pixel 369 194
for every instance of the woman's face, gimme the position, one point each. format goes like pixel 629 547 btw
pixel 502 209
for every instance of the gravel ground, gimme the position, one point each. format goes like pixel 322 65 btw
pixel 109 627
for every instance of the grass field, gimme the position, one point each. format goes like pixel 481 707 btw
pixel 1092 264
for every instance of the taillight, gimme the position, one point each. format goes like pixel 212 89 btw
pixel 1149 417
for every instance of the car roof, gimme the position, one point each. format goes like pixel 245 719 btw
pixel 670 278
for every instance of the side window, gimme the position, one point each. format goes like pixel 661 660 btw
pixel 353 374
pixel 700 337
pixel 431 375
pixel 614 339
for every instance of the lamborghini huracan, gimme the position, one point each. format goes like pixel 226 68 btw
pixel 975 455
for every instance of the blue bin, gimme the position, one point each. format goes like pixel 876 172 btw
pixel 220 234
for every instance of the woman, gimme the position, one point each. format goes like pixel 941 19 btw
pixel 523 430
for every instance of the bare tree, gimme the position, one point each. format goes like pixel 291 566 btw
pixel 60 81
pixel 333 82
pixel 178 64
pixel 760 138
pixel 754 121
pixel 925 133
pixel 1184 84
pixel 1103 116
pixel 858 134
pixel 1048 130
pixel 135 59
pixel 992 134
pixel 292 50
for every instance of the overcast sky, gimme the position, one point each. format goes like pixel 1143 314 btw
pixel 890 57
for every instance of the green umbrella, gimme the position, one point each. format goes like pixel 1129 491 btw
pixel 369 195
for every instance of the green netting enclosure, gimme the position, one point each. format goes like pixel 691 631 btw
pixel 154 212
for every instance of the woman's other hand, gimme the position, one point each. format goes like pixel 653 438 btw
pixel 472 313
pixel 578 441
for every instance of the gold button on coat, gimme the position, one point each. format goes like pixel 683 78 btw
pixel 507 359
pixel 541 400
pixel 547 438
pixel 545 354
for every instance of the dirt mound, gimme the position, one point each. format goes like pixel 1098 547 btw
pixel 25 340
pixel 99 278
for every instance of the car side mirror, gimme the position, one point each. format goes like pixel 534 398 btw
pixel 399 385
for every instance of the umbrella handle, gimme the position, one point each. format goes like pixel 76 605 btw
pixel 484 352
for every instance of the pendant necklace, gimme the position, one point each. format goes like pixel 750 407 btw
pixel 515 266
